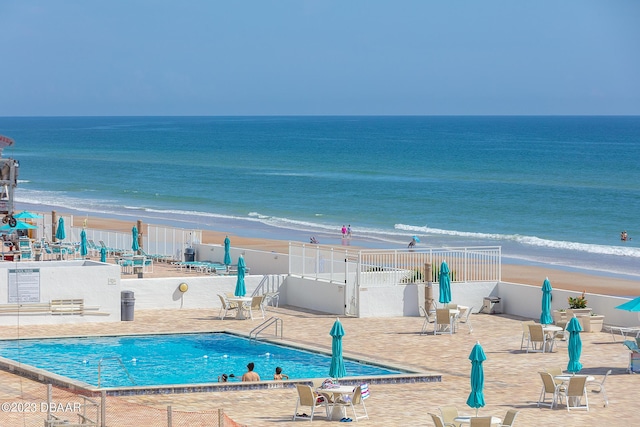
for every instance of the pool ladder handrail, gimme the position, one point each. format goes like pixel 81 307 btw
pixel 126 371
pixel 264 325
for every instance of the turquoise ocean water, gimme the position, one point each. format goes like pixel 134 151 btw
pixel 553 190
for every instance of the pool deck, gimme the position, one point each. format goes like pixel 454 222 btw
pixel 511 378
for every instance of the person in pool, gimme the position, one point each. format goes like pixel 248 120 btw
pixel 279 376
pixel 250 375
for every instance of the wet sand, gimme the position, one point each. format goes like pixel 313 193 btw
pixel 530 275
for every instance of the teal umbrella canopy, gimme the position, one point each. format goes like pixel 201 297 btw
pixel 476 397
pixel 83 243
pixel 337 369
pixel 545 316
pixel 60 234
pixel 20 225
pixel 134 234
pixel 103 254
pixel 633 305
pixel 575 345
pixel 241 290
pixel 227 249
pixel 27 215
pixel 445 284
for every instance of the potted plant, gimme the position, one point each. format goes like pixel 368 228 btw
pixel 592 323
pixel 578 306
pixel 560 317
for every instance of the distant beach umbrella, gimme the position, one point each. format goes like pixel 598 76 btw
pixel 60 234
pixel 20 225
pixel 545 316
pixel 337 369
pixel 227 249
pixel 134 234
pixel 103 254
pixel 241 290
pixel 476 397
pixel 417 240
pixel 575 345
pixel 445 284
pixel 83 243
pixel 27 215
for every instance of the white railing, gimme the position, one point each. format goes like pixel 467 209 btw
pixel 166 241
pixel 382 267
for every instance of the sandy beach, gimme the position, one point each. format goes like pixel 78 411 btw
pixel 530 275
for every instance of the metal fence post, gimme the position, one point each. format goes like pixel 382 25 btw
pixel 169 414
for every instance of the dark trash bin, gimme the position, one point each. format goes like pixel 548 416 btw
pixel 127 303
pixel 189 255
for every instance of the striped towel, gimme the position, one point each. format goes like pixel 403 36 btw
pixel 364 390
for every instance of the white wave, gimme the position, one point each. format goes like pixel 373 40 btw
pixel 531 241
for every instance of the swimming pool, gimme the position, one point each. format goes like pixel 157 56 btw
pixel 153 360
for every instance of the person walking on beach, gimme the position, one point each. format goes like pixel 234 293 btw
pixel 349 231
pixel 344 231
pixel 250 375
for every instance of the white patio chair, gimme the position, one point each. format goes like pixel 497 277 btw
pixel 600 387
pixel 226 307
pixel 575 392
pixel 307 397
pixel 444 322
pixel 464 318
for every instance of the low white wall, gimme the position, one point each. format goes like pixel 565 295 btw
pixel 163 293
pixel 313 295
pixel 258 262
pixel 96 283
pixel 526 301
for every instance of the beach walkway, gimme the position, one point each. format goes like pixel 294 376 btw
pixel 511 375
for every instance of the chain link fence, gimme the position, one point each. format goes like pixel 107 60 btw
pixel 53 407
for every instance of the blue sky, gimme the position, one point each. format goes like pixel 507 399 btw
pixel 312 57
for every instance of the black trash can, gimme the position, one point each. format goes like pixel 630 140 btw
pixel 127 304
pixel 189 255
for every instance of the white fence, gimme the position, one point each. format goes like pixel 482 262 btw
pixel 381 267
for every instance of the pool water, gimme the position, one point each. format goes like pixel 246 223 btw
pixel 152 360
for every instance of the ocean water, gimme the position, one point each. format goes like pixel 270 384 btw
pixel 551 190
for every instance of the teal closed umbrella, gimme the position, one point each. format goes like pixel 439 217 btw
pixel 337 369
pixel 575 345
pixel 134 234
pixel 227 248
pixel 83 243
pixel 103 254
pixel 445 284
pixel 241 290
pixel 476 397
pixel 60 234
pixel 545 316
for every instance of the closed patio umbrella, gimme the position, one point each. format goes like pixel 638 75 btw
pixel 103 254
pixel 227 248
pixel 545 316
pixel 60 234
pixel 240 287
pixel 337 369
pixel 83 243
pixel 445 284
pixel 476 397
pixel 575 345
pixel 134 234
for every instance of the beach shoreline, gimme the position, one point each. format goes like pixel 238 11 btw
pixel 532 275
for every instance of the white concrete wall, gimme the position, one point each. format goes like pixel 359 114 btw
pixel 163 293
pixel 98 284
pixel 258 262
pixel 526 301
pixel 313 295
